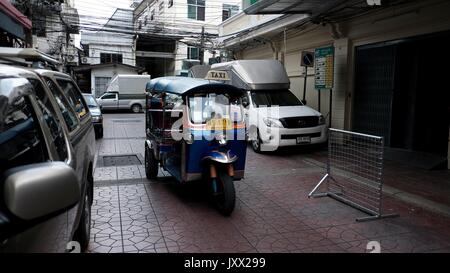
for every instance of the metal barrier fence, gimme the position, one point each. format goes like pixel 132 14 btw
pixel 354 172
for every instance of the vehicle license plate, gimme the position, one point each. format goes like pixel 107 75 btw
pixel 305 139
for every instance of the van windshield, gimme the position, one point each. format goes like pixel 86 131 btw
pixel 269 98
pixel 208 106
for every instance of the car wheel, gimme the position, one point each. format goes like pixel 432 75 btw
pixel 136 108
pixel 256 143
pixel 100 132
pixel 151 164
pixel 83 233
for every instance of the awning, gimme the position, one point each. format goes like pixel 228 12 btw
pixel 12 20
pixel 86 68
pixel 311 7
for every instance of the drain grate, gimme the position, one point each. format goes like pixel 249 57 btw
pixel 121 160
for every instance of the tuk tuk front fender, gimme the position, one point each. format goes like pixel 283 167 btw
pixel 220 157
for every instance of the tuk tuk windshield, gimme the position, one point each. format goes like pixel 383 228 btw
pixel 209 106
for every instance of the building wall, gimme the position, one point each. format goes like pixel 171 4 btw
pixel 175 21
pixel 405 22
pixel 108 72
pixel 418 19
pixel 107 43
pixel 116 38
pixel 55 42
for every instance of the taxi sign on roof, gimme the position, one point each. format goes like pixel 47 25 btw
pixel 217 75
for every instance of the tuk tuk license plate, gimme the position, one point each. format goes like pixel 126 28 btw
pixel 302 140
pixel 219 124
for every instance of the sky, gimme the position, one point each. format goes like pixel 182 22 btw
pixel 101 9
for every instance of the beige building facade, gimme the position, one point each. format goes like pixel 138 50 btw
pixel 285 37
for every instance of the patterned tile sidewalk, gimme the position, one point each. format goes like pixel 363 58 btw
pixel 273 212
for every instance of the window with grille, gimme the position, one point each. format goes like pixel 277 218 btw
pixel 101 83
pixel 106 58
pixel 228 11
pixel 196 9
pixel 193 53
pixel 39 26
pixel 161 7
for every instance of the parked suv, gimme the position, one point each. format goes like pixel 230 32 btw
pixel 46 164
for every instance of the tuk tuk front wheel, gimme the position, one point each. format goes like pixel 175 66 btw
pixel 225 195
pixel 151 164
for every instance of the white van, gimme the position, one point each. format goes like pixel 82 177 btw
pixel 275 116
pixel 125 92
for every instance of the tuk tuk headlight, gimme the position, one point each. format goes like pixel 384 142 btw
pixel 222 141
pixel 189 139
pixel 273 122
pixel 321 120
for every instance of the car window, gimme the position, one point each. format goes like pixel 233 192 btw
pixel 67 113
pixel 74 97
pixel 91 102
pixel 51 118
pixel 21 140
pixel 109 96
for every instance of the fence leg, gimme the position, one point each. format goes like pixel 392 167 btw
pixel 376 217
pixel 313 194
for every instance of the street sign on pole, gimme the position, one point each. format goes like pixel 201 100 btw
pixel 307 59
pixel 324 63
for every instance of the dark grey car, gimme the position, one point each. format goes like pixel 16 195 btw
pixel 46 163
pixel 96 113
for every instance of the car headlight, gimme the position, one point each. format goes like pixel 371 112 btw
pixel 321 120
pixel 272 122
pixel 97 118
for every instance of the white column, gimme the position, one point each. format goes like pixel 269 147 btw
pixel 341 47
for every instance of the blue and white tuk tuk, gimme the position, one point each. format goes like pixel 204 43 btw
pixel 195 130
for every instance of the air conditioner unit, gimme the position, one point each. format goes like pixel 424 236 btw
pixel 84 60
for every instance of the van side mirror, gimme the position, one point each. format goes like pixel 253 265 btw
pixel 39 190
pixel 245 102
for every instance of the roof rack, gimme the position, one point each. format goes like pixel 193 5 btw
pixel 29 57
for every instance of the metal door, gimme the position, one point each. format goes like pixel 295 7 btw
pixel 374 85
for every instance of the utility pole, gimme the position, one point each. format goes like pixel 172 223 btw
pixel 202 44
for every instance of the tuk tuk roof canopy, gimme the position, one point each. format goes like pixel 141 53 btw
pixel 184 85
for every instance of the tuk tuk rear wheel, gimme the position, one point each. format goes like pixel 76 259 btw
pixel 151 164
pixel 225 199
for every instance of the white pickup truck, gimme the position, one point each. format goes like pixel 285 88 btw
pixel 125 92
pixel 275 116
